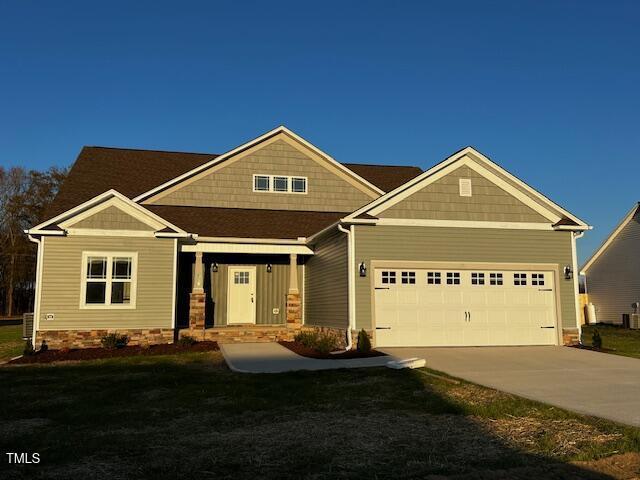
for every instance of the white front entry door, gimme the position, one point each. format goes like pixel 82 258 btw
pixel 241 299
pixel 450 307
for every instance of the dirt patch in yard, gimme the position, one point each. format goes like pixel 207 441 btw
pixel 624 466
pixel 313 353
pixel 100 353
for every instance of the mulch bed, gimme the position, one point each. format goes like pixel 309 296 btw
pixel 313 353
pixel 97 353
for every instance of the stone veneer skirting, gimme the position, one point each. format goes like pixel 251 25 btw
pixel 248 334
pixel 58 339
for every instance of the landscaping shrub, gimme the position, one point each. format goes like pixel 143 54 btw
pixel 596 339
pixel 322 342
pixel 113 340
pixel 28 349
pixel 364 343
pixel 186 341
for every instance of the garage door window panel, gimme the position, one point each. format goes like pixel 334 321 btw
pixel 388 278
pixel 453 278
pixel 520 279
pixel 537 279
pixel 408 278
pixel 477 278
pixel 434 278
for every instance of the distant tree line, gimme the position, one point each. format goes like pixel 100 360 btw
pixel 24 196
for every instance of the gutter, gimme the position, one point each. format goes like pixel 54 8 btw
pixel 351 282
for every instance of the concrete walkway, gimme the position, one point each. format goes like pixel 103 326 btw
pixel 592 383
pixel 274 358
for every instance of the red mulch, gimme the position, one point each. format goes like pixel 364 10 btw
pixel 97 353
pixel 313 353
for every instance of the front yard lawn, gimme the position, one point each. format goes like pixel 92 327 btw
pixel 188 416
pixel 11 343
pixel 618 340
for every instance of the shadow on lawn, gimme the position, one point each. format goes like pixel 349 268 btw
pixel 165 419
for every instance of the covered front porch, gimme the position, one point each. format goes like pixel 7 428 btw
pixel 232 291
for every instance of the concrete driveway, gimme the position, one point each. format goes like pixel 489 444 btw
pixel 587 382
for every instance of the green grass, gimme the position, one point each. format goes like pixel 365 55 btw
pixel 11 343
pixel 188 416
pixel 620 341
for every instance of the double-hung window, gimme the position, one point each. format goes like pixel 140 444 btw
pixel 108 280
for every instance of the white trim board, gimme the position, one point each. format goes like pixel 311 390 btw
pixel 97 200
pixel 474 160
pixel 609 240
pixel 211 247
pixel 245 146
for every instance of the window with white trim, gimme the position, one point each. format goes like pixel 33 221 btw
pixel 453 278
pixel 279 184
pixel 409 278
pixel 388 277
pixel 434 278
pixel 537 279
pixel 520 279
pixel 496 279
pixel 477 278
pixel 109 280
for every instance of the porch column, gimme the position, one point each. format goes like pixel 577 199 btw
pixel 294 306
pixel 196 297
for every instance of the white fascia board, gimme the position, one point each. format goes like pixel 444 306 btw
pixel 249 248
pixel 609 240
pixel 33 231
pixel 261 241
pixel 251 143
pixel 100 199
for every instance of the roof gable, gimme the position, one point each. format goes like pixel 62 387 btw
pixel 485 167
pixel 249 147
pixel 611 238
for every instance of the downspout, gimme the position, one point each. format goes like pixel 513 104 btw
pixel 351 282
pixel 36 300
pixel 576 279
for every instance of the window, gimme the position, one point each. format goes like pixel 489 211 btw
pixel 453 278
pixel 388 278
pixel 477 278
pixel 279 184
pixel 537 279
pixel 108 280
pixel 434 278
pixel 520 279
pixel 495 279
pixel 409 278
pixel 241 278
pixel 261 183
pixel 298 185
pixel 465 187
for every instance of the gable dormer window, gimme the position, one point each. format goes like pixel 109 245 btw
pixel 279 184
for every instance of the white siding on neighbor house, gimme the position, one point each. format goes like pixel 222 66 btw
pixel 613 280
pixel 62 276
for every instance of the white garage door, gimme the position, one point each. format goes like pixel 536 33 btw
pixel 436 307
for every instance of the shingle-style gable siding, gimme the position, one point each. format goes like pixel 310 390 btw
pixel 441 200
pixel 232 186
pixel 112 218
pixel 613 281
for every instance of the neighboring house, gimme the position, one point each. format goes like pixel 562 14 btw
pixel 275 235
pixel 612 274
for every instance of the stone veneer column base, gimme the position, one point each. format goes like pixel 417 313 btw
pixel 294 310
pixel 570 336
pixel 59 339
pixel 196 310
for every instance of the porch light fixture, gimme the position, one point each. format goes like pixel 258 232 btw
pixel 269 267
pixel 568 273
pixel 363 269
pixel 214 267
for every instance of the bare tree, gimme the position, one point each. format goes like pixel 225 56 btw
pixel 24 195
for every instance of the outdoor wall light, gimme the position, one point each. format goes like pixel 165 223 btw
pixel 269 267
pixel 363 269
pixel 214 267
pixel 568 273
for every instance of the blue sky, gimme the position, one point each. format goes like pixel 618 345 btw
pixel 550 90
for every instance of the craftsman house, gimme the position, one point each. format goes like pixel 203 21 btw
pixel 276 235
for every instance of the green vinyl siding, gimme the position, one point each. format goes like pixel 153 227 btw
pixel 327 283
pixel 448 244
pixel 62 271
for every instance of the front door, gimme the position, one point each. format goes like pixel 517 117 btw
pixel 241 300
